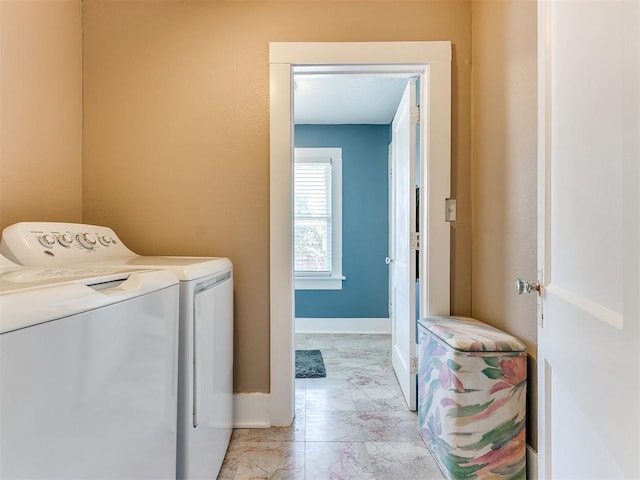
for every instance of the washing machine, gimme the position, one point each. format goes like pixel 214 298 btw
pixel 88 372
pixel 205 398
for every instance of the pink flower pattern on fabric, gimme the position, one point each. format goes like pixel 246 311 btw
pixel 472 400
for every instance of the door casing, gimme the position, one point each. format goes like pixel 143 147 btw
pixel 432 62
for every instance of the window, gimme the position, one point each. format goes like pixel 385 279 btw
pixel 317 222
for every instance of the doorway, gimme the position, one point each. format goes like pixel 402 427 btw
pixel 431 61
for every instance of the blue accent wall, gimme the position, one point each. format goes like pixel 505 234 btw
pixel 365 224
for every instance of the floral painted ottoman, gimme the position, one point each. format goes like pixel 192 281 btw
pixel 472 398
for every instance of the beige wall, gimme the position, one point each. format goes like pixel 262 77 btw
pixel 40 111
pixel 176 134
pixel 176 150
pixel 504 145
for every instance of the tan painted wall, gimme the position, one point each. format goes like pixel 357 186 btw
pixel 176 134
pixel 504 136
pixel 40 111
pixel 176 150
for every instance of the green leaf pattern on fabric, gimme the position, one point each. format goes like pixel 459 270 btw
pixel 453 365
pixel 476 430
pixel 493 373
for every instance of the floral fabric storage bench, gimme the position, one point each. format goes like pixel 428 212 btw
pixel 472 384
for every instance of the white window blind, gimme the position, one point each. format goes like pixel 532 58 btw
pixel 313 216
pixel 317 222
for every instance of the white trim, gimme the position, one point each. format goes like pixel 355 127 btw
pixel 590 307
pixel 435 188
pixel 344 325
pixel 251 410
pixel 544 232
pixel 532 463
pixel 544 418
pixel 544 151
pixel 359 53
pixel 432 62
pixel 282 366
pixel 320 283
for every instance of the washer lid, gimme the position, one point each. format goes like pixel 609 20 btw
pixel 466 334
pixel 30 296
pixel 28 278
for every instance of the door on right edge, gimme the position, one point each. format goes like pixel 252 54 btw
pixel 589 313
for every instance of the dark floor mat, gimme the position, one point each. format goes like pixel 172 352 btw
pixel 309 364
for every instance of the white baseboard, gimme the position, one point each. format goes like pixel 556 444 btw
pixel 532 464
pixel 251 410
pixel 343 325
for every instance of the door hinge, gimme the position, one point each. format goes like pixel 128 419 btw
pixel 414 240
pixel 414 365
pixel 415 115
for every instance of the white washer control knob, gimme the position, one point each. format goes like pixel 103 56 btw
pixel 66 239
pixel 86 240
pixel 47 241
pixel 106 240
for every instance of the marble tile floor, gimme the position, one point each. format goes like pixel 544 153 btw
pixel 352 425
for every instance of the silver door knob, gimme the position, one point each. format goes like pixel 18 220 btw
pixel 388 260
pixel 526 287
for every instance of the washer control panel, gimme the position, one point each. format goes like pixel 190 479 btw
pixel 32 243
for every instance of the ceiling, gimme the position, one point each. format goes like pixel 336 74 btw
pixel 335 99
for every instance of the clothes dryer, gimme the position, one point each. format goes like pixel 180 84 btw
pixel 88 372
pixel 205 399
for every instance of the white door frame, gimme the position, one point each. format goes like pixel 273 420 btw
pixel 430 60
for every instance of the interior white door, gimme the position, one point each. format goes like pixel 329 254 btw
pixel 403 264
pixel 588 335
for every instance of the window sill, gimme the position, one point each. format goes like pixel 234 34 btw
pixel 319 283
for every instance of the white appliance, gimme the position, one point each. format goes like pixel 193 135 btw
pixel 205 399
pixel 88 372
